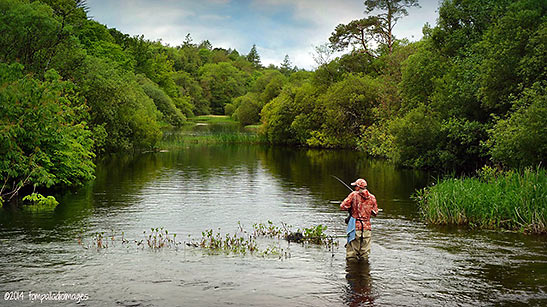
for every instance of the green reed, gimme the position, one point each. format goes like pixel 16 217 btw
pixel 493 199
pixel 212 138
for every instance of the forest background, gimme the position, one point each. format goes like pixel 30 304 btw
pixel 470 93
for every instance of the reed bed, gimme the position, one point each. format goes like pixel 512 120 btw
pixel 213 138
pixel 494 199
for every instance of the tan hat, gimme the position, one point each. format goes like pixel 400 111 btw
pixel 360 183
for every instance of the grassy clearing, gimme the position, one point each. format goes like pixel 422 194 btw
pixel 493 200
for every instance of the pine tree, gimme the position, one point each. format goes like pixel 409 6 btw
pixel 253 57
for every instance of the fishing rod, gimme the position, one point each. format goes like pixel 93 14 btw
pixel 347 186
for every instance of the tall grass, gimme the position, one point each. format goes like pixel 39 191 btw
pixel 494 200
pixel 212 138
pixel 213 119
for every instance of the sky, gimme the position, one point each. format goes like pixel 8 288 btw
pixel 277 27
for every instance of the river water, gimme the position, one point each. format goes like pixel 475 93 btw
pixel 190 189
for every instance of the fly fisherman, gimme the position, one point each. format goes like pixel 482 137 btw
pixel 361 204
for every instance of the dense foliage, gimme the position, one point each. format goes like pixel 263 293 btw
pixel 122 91
pixel 471 92
pixel 45 140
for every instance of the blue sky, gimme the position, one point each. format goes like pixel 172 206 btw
pixel 277 27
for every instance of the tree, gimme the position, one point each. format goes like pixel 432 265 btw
pixel 29 33
pixel 376 28
pixel 221 83
pixel 163 103
pixel 356 33
pixel 118 106
pixel 45 140
pixel 248 110
pixel 521 139
pixel 286 66
pixel 188 41
pixel 253 57
pixel 393 10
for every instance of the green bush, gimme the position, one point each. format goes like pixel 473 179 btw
pixel 163 103
pixel 185 106
pixel 521 139
pixel 118 104
pixel 45 140
pixel 248 109
pixel 415 138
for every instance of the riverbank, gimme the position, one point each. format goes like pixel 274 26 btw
pixel 211 129
pixel 511 200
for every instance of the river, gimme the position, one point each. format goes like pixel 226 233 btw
pixel 192 188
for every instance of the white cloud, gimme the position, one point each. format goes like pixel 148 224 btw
pixel 278 27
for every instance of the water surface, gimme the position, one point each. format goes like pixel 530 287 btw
pixel 193 188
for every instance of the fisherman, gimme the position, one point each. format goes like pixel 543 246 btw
pixel 361 204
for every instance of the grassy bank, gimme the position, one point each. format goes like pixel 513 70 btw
pixel 212 119
pixel 213 138
pixel 494 200
pixel 211 129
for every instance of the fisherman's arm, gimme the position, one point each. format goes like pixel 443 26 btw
pixel 374 206
pixel 346 203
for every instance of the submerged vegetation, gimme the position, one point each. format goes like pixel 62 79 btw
pixel 495 199
pixel 241 242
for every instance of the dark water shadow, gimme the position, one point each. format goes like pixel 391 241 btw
pixel 359 288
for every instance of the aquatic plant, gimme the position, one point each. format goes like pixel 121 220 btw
pixel 158 238
pixel 99 240
pixel 41 200
pixel 240 242
pixel 270 230
pixel 236 243
pixel 493 199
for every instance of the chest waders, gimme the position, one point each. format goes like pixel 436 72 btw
pixel 357 219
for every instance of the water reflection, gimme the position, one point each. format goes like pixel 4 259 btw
pixel 359 288
pixel 194 188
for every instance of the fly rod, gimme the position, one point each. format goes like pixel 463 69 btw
pixel 347 186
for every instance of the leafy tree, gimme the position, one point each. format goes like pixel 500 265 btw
pixel 163 103
pixel 420 73
pixel 277 116
pixel 415 137
pixel 392 11
pixel 358 33
pixel 347 106
pixel 376 28
pixel 30 33
pixel 521 139
pixel 248 110
pixel 461 24
pixel 118 106
pixel 514 46
pixel 190 88
pixel 221 83
pixel 45 140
